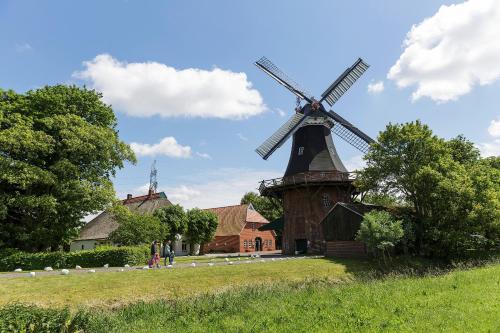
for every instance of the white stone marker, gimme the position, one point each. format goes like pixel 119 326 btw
pixel 48 269
pixel 78 267
pixel 17 270
pixel 91 270
pixel 32 274
pixel 64 272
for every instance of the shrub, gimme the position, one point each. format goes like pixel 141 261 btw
pixel 380 232
pixel 30 318
pixel 114 256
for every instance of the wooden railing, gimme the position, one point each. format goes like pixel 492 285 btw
pixel 305 178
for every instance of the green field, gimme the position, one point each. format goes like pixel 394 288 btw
pixel 303 295
pixel 111 289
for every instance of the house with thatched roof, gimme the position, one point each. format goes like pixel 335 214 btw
pixel 97 231
pixel 238 231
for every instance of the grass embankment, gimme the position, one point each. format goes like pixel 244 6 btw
pixel 459 301
pixel 112 289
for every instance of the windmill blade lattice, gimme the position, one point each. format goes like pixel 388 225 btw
pixel 280 136
pixel 272 70
pixel 344 82
pixel 350 133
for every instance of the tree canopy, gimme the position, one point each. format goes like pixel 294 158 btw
pixel 454 193
pixel 59 146
pixel 135 228
pixel 268 208
pixel 175 218
pixel 201 226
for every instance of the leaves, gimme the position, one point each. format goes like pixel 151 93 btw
pixel 455 195
pixel 58 149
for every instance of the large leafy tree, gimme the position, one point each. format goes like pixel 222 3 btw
pixel 454 194
pixel 59 146
pixel 267 207
pixel 175 218
pixel 135 228
pixel 201 226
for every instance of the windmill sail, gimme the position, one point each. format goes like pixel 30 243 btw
pixel 280 136
pixel 344 82
pixel 272 70
pixel 349 132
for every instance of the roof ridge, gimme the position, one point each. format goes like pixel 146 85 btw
pixel 226 206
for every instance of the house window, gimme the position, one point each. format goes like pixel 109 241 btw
pixel 253 226
pixel 245 244
pixel 326 200
pixel 301 151
pixel 270 242
pixel 184 247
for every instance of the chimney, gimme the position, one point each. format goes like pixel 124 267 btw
pixel 129 196
pixel 150 192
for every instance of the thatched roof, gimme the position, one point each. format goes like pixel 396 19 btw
pixel 232 219
pixel 104 224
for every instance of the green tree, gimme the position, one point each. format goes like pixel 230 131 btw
pixel 201 226
pixel 267 207
pixel 134 228
pixel 454 194
pixel 175 218
pixel 59 147
pixel 380 232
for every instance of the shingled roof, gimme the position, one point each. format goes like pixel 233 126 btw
pixel 232 219
pixel 104 224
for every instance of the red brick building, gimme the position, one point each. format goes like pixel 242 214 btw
pixel 238 231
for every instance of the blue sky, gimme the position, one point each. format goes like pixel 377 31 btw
pixel 139 54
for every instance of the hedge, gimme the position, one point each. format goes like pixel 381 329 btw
pixel 113 256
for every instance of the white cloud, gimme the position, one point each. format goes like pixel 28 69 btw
pixel 280 112
pixel 24 47
pixel 242 137
pixel 492 148
pixel 204 155
pixel 168 146
pixel 150 88
pixel 355 163
pixel 449 53
pixel 221 187
pixel 375 87
pixel 494 128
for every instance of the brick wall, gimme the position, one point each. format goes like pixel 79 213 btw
pixel 244 242
pixel 345 249
pixel 250 233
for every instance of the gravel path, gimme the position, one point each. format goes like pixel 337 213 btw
pixel 231 261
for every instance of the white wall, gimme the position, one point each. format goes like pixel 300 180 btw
pixel 87 245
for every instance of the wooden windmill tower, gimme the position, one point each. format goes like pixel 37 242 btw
pixel 315 178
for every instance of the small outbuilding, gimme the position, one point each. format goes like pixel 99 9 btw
pixel 238 231
pixel 340 227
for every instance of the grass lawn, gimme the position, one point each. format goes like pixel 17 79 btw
pixel 112 289
pixel 460 301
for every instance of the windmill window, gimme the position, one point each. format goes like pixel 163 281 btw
pixel 301 151
pixel 326 200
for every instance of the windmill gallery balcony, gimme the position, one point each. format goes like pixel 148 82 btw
pixel 276 185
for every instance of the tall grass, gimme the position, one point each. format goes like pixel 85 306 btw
pixel 458 301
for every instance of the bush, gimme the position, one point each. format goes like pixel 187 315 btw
pixel 380 232
pixel 114 256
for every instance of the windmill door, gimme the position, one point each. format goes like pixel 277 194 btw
pixel 301 246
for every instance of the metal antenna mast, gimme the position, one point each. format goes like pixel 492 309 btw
pixel 153 182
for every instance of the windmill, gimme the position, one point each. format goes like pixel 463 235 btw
pixel 315 177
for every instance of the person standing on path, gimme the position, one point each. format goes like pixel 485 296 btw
pixel 154 251
pixel 167 251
